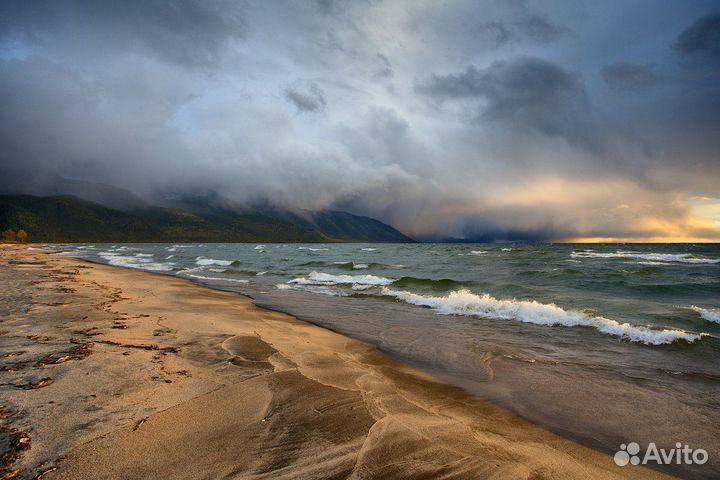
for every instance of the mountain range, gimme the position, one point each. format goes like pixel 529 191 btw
pixel 68 218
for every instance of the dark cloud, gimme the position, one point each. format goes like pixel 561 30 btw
pixel 702 38
pixel 630 77
pixel 524 28
pixel 528 92
pixel 539 29
pixel 309 98
pixel 495 31
pixel 191 32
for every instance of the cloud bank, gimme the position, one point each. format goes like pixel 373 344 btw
pixel 490 121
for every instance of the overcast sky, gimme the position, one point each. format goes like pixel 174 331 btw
pixel 480 119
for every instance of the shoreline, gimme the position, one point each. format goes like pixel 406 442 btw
pixel 144 383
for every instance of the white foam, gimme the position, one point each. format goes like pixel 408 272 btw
pixel 143 254
pixel 506 249
pixel 650 257
pixel 259 247
pixel 321 289
pixel 464 302
pixel 140 263
pixel 368 249
pixel 204 261
pixel 312 249
pixel 189 273
pixel 258 274
pixel 709 314
pixel 320 278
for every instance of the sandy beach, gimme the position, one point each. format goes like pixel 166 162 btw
pixel 114 373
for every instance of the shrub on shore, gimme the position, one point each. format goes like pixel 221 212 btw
pixel 11 236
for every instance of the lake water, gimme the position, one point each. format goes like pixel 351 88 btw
pixel 604 344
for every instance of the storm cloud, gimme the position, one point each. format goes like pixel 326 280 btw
pixel 491 120
pixel 308 99
pixel 701 38
pixel 526 92
pixel 630 77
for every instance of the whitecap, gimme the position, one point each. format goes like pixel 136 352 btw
pixel 709 314
pixel 189 273
pixel 204 261
pixel 140 263
pixel 650 257
pixel 368 249
pixel 320 278
pixel 464 302
pixel 323 290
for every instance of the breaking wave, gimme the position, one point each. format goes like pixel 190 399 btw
pixel 138 262
pixel 320 278
pixel 650 258
pixel 205 261
pixel 191 272
pixel 464 302
pixel 709 314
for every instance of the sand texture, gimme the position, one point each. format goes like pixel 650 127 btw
pixel 120 374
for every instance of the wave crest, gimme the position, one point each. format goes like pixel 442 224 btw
pixel 320 278
pixel 709 314
pixel 464 302
pixel 650 258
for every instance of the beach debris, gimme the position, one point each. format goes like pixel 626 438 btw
pixel 77 352
pixel 14 442
pixel 139 423
pixel 141 346
pixel 88 332
pixel 42 383
pixel 11 474
pixel 45 472
pixel 40 338
pixel 26 262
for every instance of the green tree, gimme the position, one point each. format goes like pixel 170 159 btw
pixel 9 236
pixel 22 236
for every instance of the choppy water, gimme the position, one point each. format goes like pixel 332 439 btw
pixel 605 343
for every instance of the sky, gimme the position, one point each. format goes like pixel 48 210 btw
pixel 487 120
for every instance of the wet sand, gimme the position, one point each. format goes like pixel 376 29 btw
pixel 115 373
